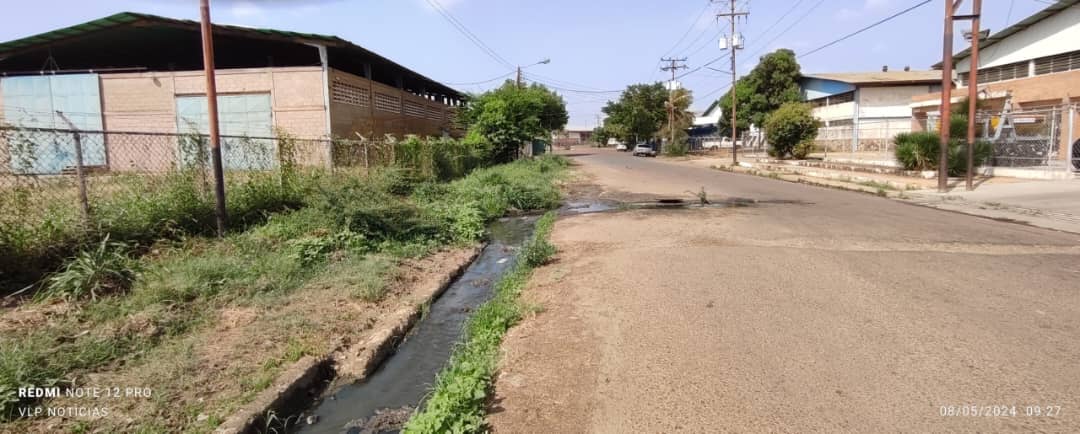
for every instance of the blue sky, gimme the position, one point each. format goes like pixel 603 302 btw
pixel 592 44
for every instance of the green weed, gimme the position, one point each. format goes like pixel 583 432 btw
pixel 106 269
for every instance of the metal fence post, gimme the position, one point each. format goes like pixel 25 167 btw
pixel 1072 162
pixel 80 173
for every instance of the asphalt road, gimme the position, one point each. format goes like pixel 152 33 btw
pixel 827 311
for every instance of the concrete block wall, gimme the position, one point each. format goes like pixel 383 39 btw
pixel 146 102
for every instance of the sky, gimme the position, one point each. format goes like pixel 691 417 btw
pixel 594 45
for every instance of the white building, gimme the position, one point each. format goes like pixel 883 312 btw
pixel 863 111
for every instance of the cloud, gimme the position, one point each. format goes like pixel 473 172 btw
pixel 868 7
pixel 847 14
pixel 246 9
pixel 446 4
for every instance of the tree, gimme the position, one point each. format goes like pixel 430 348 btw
pixel 681 119
pixel 500 121
pixel 790 130
pixel 639 113
pixel 773 82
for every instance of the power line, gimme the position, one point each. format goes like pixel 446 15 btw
pixel 567 89
pixel 761 36
pixel 468 34
pixel 703 66
pixel 883 21
pixel 788 28
pixel 507 75
pixel 561 82
pixel 689 29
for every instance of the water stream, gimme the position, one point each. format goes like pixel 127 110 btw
pixel 384 401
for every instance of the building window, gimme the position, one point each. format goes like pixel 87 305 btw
pixel 841 123
pixel 387 103
pixel 346 93
pixel 832 99
pixel 246 125
pixel 1011 71
pixel 1059 63
pixel 415 110
pixel 33 102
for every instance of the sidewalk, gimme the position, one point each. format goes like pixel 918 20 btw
pixel 1048 204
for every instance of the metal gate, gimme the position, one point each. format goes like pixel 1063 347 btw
pixel 1028 138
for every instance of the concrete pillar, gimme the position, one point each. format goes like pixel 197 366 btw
pixel 855 123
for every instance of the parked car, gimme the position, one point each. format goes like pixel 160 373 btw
pixel 621 147
pixel 711 144
pixel 644 149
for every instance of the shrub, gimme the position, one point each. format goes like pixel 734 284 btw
pixel 677 149
pixel 921 150
pixel 106 269
pixel 790 125
pixel 802 150
pixel 917 151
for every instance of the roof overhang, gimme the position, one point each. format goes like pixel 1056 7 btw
pixel 150 42
pixel 1024 24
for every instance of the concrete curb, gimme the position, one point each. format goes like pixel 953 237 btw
pixel 293 389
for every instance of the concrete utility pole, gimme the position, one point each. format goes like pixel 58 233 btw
pixel 519 68
pixel 736 43
pixel 675 66
pixel 946 95
pixel 973 88
pixel 212 115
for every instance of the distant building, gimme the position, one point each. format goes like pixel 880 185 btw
pixel 863 111
pixel 571 137
pixel 142 73
pixel 705 123
pixel 1034 64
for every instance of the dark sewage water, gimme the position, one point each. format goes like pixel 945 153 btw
pixel 383 402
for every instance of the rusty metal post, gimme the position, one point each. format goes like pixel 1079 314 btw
pixel 973 92
pixel 212 116
pixel 80 172
pixel 946 97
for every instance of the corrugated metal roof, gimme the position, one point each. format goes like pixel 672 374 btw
pixel 1050 11
pixel 124 18
pixel 881 78
pixel 137 19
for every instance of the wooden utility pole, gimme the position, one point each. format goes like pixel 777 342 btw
pixel 519 77
pixel 735 43
pixel 675 66
pixel 212 115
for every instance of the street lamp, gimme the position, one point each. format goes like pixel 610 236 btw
pixel 519 68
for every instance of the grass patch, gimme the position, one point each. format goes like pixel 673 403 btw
pixel 351 233
pixel 457 402
pixel 878 185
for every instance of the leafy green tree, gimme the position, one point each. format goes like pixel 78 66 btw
pixel 639 113
pixel 500 121
pixel 773 82
pixel 682 118
pixel 791 129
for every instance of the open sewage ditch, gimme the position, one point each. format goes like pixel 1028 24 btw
pixel 385 399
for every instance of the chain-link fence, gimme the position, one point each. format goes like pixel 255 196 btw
pixel 868 135
pixel 65 176
pixel 1031 139
pixel 754 143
